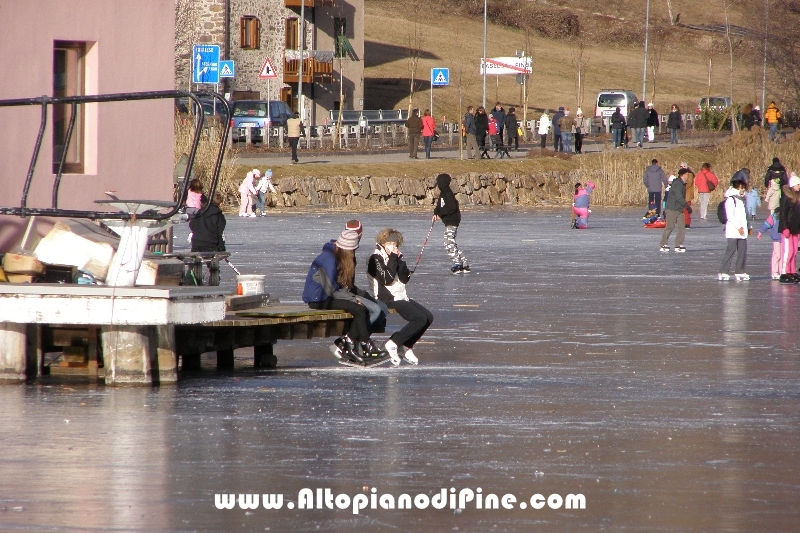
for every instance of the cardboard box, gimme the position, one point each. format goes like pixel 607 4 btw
pixel 22 264
pixel 160 271
pixel 62 247
pixel 20 278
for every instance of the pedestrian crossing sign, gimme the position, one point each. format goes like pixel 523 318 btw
pixel 440 77
pixel 227 69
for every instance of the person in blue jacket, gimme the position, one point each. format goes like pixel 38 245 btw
pixel 330 284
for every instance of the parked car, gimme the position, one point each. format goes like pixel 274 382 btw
pixel 609 99
pixel 259 115
pixel 211 108
pixel 716 103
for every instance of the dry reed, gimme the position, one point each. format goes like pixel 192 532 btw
pixel 206 158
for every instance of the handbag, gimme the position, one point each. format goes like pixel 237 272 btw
pixel 520 132
pixel 435 135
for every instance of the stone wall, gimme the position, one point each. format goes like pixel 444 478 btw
pixel 492 188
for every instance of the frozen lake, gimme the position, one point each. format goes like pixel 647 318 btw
pixel 568 362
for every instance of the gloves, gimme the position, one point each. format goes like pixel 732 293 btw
pixel 689 209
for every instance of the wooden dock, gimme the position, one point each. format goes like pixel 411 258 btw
pixel 144 335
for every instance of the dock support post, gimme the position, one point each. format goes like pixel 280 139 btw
pixel 139 355
pixel 225 359
pixel 14 364
pixel 263 356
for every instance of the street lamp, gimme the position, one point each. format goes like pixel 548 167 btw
pixel 646 35
pixel 484 52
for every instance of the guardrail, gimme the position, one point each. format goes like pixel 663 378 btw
pixel 74 101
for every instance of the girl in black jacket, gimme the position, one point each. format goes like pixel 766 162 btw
pixel 447 210
pixel 481 126
pixel 388 275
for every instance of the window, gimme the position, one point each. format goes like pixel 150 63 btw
pixel 249 32
pixel 340 36
pixel 292 34
pixel 69 73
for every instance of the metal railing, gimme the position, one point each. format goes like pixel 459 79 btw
pixel 45 102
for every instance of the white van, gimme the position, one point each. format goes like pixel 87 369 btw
pixel 608 100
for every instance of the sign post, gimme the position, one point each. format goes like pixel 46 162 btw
pixel 440 77
pixel 267 72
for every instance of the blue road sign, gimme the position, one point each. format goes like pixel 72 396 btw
pixel 205 63
pixel 227 69
pixel 440 77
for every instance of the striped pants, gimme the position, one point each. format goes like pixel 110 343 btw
pixel 452 248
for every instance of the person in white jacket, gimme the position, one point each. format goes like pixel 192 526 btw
pixel 264 186
pixel 544 127
pixel 736 231
pixel 247 191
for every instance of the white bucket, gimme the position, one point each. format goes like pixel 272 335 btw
pixel 250 285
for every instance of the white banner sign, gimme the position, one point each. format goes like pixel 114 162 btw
pixel 497 66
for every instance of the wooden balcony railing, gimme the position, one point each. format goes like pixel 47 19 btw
pixel 313 71
pixel 308 3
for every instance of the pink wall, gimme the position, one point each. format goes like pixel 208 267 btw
pixel 128 144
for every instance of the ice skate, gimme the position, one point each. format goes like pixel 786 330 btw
pixel 408 355
pixel 391 348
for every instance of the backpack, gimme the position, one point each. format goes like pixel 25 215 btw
pixel 722 215
pixel 779 175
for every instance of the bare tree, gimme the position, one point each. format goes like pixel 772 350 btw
pixel 783 50
pixel 669 11
pixel 413 49
pixel 579 60
pixel 660 38
pixel 187 32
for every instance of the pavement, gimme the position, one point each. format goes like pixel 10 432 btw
pixel 567 362
pixel 400 155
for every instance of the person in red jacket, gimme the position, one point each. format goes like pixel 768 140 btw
pixel 705 181
pixel 428 131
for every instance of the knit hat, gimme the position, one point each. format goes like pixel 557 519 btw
pixel 672 177
pixel 579 112
pixel 268 173
pixel 775 160
pixel 348 240
pixel 354 225
pixel 650 104
pixel 256 173
pixel 794 180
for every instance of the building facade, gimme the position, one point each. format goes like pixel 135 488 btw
pixel 252 31
pixel 70 48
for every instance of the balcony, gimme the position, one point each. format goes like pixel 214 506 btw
pixel 317 67
pixel 308 3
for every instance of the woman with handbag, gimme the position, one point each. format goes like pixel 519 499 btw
pixel 705 181
pixel 428 131
pixel 582 126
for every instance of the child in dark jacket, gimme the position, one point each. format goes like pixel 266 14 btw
pixel 388 275
pixel 447 210
pixel 208 228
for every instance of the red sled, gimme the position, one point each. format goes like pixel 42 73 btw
pixel 657 224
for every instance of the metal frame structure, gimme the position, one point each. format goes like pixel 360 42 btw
pixel 54 211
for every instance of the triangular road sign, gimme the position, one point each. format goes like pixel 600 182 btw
pixel 267 70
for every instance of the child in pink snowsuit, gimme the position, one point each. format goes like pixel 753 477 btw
pixel 194 198
pixel 580 204
pixel 247 191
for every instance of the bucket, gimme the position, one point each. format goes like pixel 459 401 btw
pixel 250 285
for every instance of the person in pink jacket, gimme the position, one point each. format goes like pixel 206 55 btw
pixel 247 191
pixel 428 131
pixel 580 205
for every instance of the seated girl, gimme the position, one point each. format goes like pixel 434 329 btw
pixel 388 275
